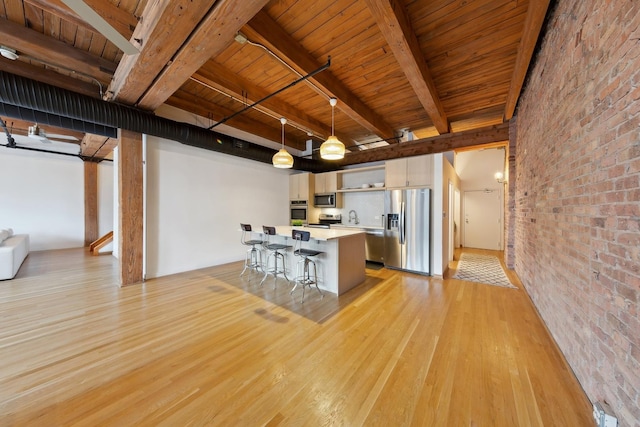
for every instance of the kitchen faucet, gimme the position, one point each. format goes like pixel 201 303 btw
pixel 355 216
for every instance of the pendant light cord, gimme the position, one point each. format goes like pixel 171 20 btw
pixel 332 120
pixel 283 121
pixel 333 102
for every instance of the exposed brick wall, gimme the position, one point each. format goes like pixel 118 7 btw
pixel 577 198
pixel 510 199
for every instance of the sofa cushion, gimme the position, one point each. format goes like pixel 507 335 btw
pixel 13 251
pixel 5 234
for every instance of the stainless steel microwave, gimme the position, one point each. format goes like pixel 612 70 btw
pixel 325 200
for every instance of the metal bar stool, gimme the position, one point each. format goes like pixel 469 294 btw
pixel 275 251
pixel 253 260
pixel 305 279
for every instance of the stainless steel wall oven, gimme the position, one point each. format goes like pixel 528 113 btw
pixel 298 211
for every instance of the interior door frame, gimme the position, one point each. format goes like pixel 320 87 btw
pixel 451 232
pixel 457 219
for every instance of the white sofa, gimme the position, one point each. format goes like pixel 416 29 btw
pixel 14 248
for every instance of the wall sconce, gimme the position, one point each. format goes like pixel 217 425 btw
pixel 499 176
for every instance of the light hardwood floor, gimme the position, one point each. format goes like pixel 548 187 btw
pixel 209 348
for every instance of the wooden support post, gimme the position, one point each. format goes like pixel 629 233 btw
pixel 90 202
pixel 130 195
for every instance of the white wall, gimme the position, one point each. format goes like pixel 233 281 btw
pixel 437 208
pixel 443 173
pixel 448 175
pixel 196 200
pixel 42 195
pixel 476 168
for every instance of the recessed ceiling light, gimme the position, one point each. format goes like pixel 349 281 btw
pixel 8 53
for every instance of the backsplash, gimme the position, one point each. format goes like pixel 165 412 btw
pixel 369 206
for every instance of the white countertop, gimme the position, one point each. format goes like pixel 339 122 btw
pixel 353 226
pixel 318 233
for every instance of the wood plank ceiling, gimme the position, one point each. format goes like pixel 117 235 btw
pixel 420 69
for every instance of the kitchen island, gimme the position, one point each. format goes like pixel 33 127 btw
pixel 374 240
pixel 341 266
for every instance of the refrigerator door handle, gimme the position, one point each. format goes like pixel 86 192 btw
pixel 402 223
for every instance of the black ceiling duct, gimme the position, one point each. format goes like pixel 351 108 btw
pixel 24 98
pixel 31 115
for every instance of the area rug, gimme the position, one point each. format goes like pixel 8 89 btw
pixel 482 269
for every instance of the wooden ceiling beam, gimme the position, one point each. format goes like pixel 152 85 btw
pixel 163 28
pixel 395 25
pixel 50 77
pixel 97 146
pixel 59 54
pixel 536 13
pixel 436 144
pixel 122 21
pixel 265 30
pixel 214 34
pixel 220 78
pixel 241 122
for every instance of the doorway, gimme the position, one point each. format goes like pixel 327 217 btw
pixel 482 219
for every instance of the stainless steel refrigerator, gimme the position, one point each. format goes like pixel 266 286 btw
pixel 407 233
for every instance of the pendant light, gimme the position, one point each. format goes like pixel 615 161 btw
pixel 282 159
pixel 332 148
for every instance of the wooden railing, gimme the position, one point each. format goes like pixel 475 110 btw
pixel 94 248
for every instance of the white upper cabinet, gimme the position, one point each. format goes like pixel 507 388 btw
pixel 326 182
pixel 396 173
pixel 409 172
pixel 301 186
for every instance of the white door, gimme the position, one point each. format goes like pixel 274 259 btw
pixel 482 212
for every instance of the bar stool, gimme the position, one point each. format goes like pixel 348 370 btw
pixel 305 278
pixel 275 251
pixel 253 260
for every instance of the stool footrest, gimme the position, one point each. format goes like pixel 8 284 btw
pixel 253 260
pixel 306 278
pixel 275 270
